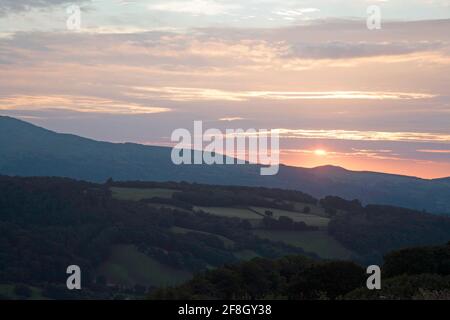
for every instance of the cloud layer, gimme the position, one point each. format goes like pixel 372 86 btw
pixel 15 6
pixel 371 100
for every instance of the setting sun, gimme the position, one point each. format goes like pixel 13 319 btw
pixel 320 152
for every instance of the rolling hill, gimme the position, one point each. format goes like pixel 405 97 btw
pixel 130 238
pixel 28 150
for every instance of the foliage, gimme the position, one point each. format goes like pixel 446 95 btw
pixel 301 278
pixel 375 230
pixel 47 224
pixel 417 261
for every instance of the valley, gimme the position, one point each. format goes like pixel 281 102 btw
pixel 131 238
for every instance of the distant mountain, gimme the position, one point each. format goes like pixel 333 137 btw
pixel 28 150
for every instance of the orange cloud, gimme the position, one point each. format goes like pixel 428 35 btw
pixel 433 151
pixel 205 94
pixel 355 135
pixel 76 103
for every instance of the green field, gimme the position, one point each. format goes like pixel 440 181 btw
pixel 167 206
pixel 231 212
pixel 128 266
pixel 309 219
pixel 315 210
pixel 227 242
pixel 318 242
pixel 135 194
pixel 7 290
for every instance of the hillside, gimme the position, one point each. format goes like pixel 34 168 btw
pixel 130 238
pixel 28 150
pixel 297 278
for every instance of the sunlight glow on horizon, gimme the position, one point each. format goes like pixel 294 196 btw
pixel 335 92
pixel 320 152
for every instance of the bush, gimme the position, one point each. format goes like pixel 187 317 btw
pixel 23 291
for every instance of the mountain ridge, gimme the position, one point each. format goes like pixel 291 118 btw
pixel 29 150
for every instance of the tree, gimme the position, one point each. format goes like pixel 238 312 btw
pixel 327 280
pixel 245 224
pixel 23 291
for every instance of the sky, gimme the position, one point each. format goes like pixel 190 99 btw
pixel 337 92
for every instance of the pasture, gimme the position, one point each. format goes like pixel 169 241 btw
pixel 128 266
pixel 318 242
pixel 136 194
pixel 309 219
